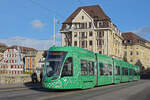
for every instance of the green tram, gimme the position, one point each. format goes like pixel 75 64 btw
pixel 78 68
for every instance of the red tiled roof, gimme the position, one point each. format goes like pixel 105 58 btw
pixel 131 36
pixel 3 47
pixel 93 11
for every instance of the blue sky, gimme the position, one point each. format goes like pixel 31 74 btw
pixel 34 18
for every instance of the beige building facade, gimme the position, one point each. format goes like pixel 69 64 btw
pixel 40 61
pixel 30 62
pixel 90 28
pixel 136 48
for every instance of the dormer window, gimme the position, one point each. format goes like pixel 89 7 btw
pixel 100 24
pixel 67 26
pixel 123 41
pixel 82 17
pixel 129 41
pixel 90 24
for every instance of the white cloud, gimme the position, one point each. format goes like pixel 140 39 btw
pixel 37 24
pixel 142 31
pixel 28 42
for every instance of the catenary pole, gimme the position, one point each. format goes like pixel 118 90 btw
pixel 54 31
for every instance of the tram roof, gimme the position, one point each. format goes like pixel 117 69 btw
pixel 71 49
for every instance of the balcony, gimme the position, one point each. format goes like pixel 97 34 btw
pixel 99 37
pixel 99 47
pixel 83 37
pixel 73 26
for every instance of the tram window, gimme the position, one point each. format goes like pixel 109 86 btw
pixel 138 73
pixel 105 69
pixel 84 67
pixel 124 71
pixel 68 67
pixel 135 73
pixel 101 69
pixel 91 68
pixel 130 72
pixel 117 70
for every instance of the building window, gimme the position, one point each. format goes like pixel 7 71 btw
pixel 90 33
pixel 85 25
pixel 33 64
pixel 100 34
pixel 129 41
pixel 100 42
pixel 131 60
pixel 131 53
pixel 100 52
pixel 123 41
pixel 90 24
pixel 86 44
pixel 100 24
pixel 90 42
pixel 83 35
pixel 75 34
pixel 137 53
pixel 82 17
pixel 125 53
pixel 75 43
pixel 82 44
pixel 125 47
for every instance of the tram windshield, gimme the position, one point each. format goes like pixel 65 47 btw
pixel 54 62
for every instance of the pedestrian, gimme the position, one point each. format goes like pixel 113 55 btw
pixel 41 76
pixel 34 78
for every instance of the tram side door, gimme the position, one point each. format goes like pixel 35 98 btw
pixel 87 76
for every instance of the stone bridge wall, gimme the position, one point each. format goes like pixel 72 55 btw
pixel 15 79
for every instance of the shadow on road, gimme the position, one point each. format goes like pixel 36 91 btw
pixel 145 76
pixel 38 87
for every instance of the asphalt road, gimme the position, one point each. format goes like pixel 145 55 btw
pixel 137 90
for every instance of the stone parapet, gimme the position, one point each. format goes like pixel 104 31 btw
pixel 15 79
